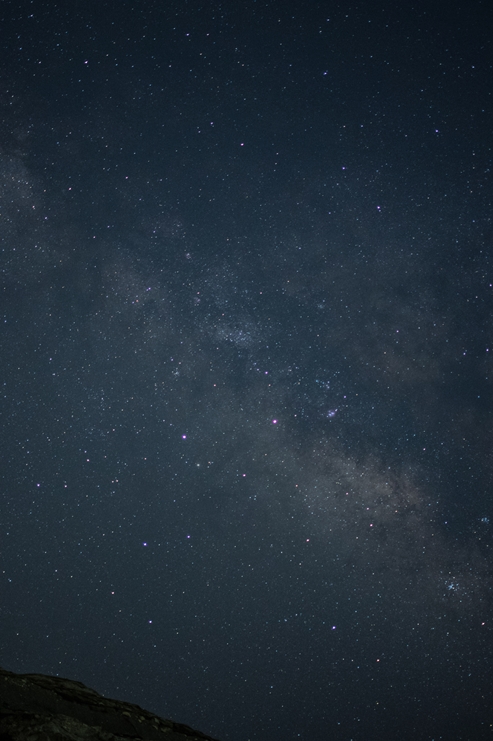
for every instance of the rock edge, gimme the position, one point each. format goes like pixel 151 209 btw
pixel 39 707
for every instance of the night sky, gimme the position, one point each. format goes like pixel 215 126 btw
pixel 246 361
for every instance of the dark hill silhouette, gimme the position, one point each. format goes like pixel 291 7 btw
pixel 37 706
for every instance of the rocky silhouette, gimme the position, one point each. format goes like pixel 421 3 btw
pixel 37 707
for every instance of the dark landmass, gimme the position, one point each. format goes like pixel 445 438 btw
pixel 45 708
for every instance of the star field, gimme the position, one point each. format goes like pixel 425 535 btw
pixel 246 301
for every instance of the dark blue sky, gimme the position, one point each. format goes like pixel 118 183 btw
pixel 246 300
